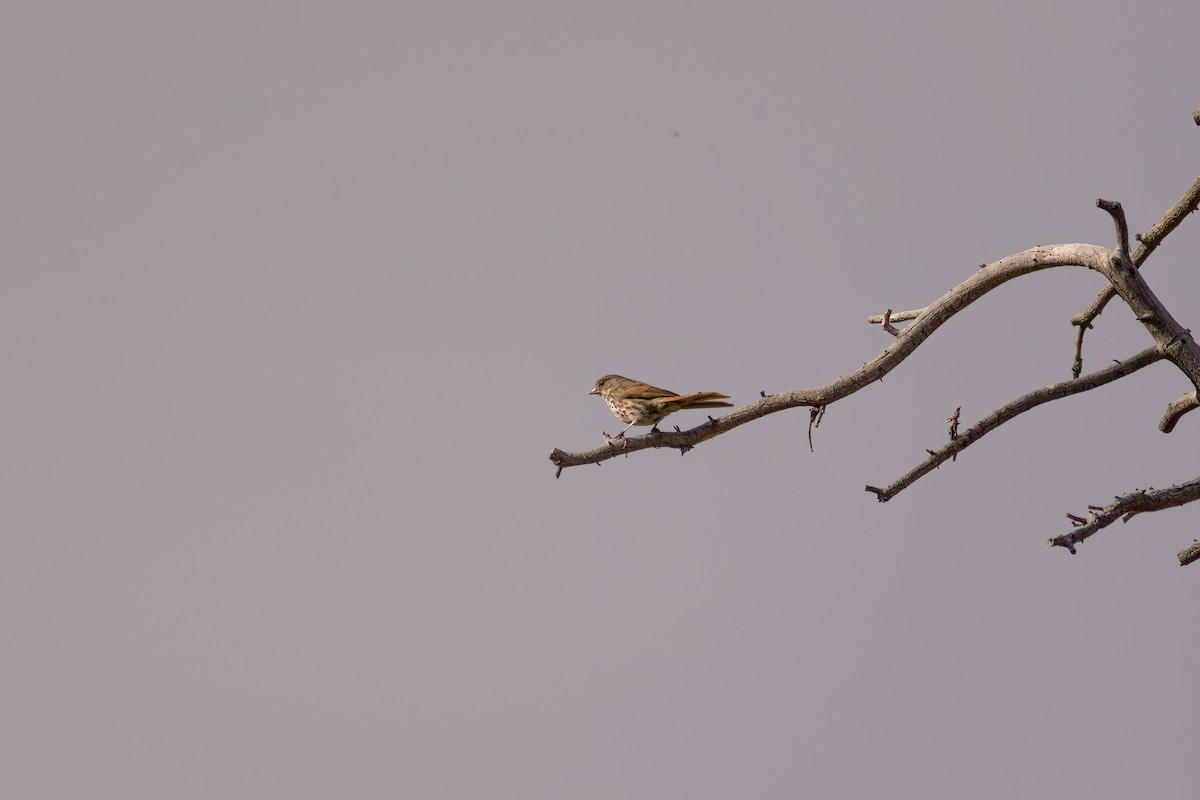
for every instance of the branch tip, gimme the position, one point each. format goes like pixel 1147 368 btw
pixel 1176 409
pixel 1126 506
pixel 1122 258
pixel 1067 541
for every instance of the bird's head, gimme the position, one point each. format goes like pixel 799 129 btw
pixel 607 380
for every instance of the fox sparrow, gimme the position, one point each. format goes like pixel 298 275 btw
pixel 642 404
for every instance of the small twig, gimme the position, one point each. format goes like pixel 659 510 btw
pixel 953 420
pixel 895 316
pixel 814 421
pixel 1118 214
pixel 1190 553
pixel 1077 364
pixel 886 322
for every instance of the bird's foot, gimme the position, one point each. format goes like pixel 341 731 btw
pixel 611 441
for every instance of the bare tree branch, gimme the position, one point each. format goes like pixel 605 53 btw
pixel 1120 266
pixel 931 318
pixel 1175 341
pixel 1124 507
pixel 1016 408
pixel 1150 240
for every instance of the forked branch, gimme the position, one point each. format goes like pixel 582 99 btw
pixel 1149 242
pixel 931 318
pixel 1119 265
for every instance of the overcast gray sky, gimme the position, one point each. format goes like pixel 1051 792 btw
pixel 298 297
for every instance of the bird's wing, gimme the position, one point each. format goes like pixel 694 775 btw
pixel 644 391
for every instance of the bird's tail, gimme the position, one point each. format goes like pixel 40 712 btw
pixel 704 400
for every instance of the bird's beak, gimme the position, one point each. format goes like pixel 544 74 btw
pixel 594 391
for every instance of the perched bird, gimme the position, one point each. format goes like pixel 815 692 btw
pixel 642 404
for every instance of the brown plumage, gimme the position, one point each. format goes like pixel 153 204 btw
pixel 642 404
